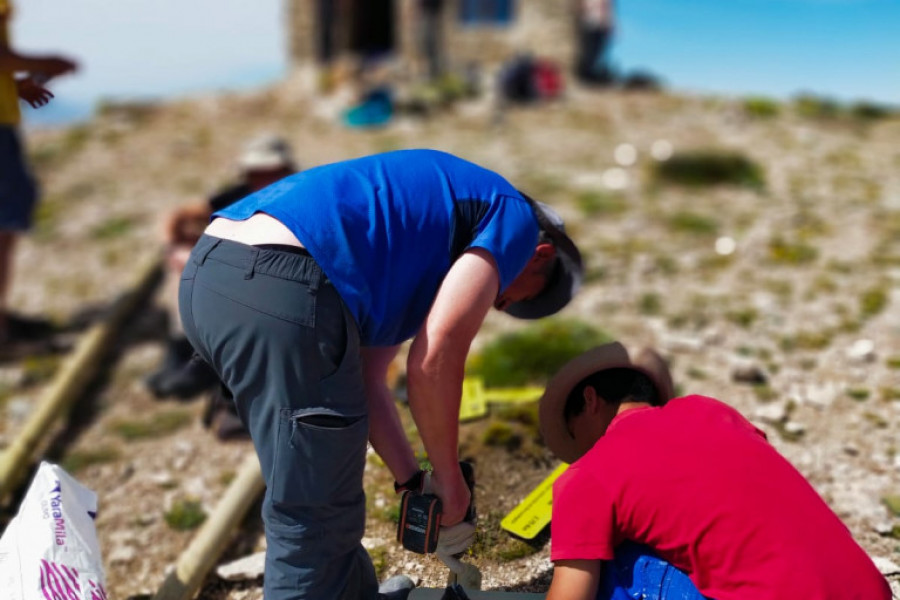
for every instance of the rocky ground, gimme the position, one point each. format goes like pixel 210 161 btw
pixel 779 298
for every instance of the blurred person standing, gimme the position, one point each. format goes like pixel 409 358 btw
pixel 21 76
pixel 595 22
pixel 265 160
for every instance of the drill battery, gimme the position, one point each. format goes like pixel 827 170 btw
pixel 420 513
pixel 420 522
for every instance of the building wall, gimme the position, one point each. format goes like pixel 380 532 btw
pixel 543 27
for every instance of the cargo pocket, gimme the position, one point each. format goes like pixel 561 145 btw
pixel 319 457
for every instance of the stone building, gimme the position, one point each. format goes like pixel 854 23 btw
pixel 485 32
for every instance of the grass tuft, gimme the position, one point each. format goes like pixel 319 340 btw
pixel 761 107
pixel 159 425
pixel 710 168
pixel 185 515
pixel 534 353
pixel 80 460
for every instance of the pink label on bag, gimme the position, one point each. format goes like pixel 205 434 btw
pixel 59 582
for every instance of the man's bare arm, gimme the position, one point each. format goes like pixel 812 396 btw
pixel 385 429
pixel 49 66
pixel 575 580
pixel 436 365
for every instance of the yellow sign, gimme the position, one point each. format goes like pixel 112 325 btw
pixel 472 404
pixel 534 512
pixel 519 395
pixel 475 398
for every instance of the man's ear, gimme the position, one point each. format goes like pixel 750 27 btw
pixel 591 400
pixel 543 254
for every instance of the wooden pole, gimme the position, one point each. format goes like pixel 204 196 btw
pixel 72 379
pixel 212 539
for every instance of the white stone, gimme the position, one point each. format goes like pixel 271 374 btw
pixel 725 246
pixel 243 569
pixel 626 155
pixel 862 351
pixel 885 565
pixel 122 554
pixel 794 427
pixel 661 150
pixel 616 178
pixel 774 412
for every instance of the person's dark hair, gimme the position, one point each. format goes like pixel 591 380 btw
pixel 614 386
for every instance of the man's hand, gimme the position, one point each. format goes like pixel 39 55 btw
pixel 54 66
pixel 32 93
pixel 455 539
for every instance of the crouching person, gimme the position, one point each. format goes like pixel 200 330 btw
pixel 682 497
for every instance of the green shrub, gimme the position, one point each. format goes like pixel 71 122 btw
pixel 379 558
pixel 872 302
pixel 185 515
pixel 39 369
pixel 533 354
pixel 890 394
pixel 816 107
pixel 744 317
pixel 876 420
pixel 112 228
pixel 598 203
pixel 153 427
pixel 501 435
pixel 759 106
pixel 807 340
pixel 791 253
pixel 858 394
pixel 693 223
pixel 708 168
pixel 893 362
pixel 650 304
pixel 870 111
pixel 79 460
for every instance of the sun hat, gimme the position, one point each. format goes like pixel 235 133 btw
pixel 266 153
pixel 608 356
pixel 567 276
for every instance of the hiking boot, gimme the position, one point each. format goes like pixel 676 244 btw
pixel 178 353
pixel 397 587
pixel 222 417
pixel 191 379
pixel 26 329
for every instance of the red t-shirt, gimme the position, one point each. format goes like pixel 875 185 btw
pixel 699 484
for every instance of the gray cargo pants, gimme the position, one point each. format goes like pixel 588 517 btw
pixel 280 338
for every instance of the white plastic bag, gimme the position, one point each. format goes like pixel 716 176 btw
pixel 50 549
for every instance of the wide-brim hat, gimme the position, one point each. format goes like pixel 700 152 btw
pixel 609 356
pixel 267 152
pixel 567 276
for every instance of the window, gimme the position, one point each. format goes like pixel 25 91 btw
pixel 486 12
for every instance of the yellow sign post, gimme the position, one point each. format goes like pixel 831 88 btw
pixel 472 405
pixel 533 513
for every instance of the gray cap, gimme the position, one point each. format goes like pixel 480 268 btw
pixel 266 153
pixel 567 276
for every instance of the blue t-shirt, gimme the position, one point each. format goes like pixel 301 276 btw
pixel 386 228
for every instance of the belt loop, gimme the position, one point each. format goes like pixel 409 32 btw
pixel 318 276
pixel 254 255
pixel 204 252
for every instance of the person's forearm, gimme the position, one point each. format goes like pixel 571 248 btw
pixel 13 62
pixel 387 435
pixel 435 380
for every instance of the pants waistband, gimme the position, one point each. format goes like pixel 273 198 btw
pixel 285 262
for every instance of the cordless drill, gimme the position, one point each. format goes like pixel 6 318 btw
pixel 420 512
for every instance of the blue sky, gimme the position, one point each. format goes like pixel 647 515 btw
pixel 848 49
